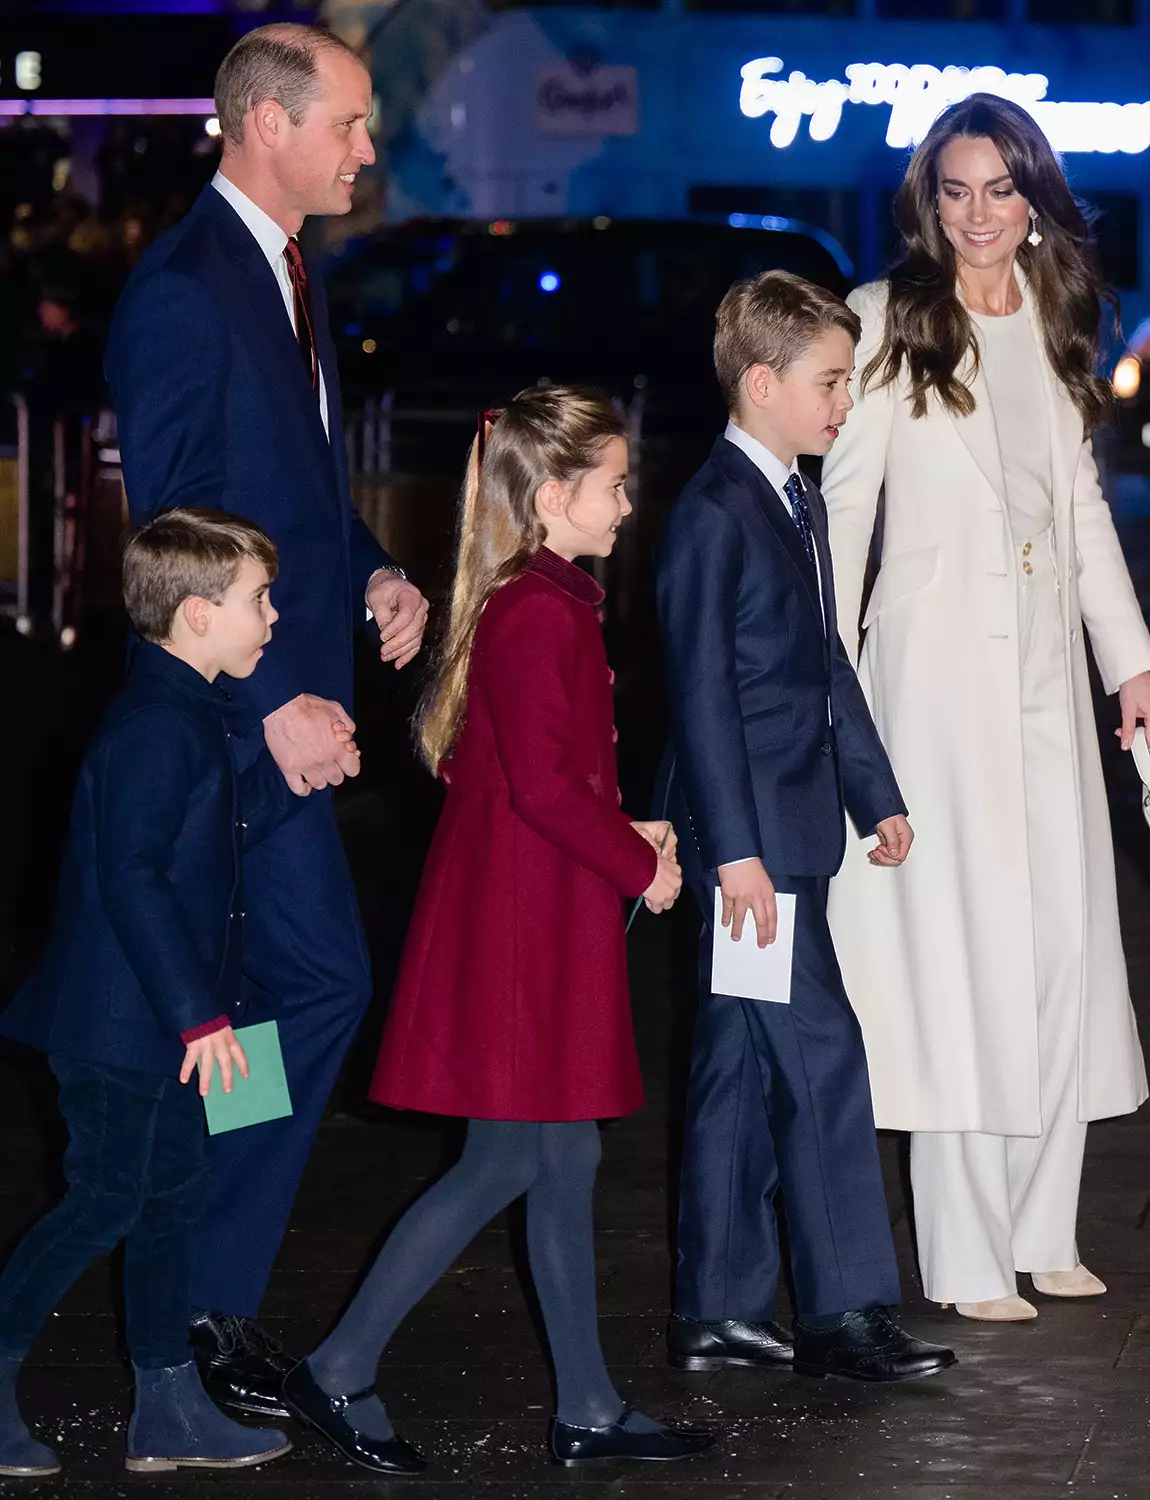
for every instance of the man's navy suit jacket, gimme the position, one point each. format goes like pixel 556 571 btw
pixel 146 942
pixel 215 409
pixel 770 732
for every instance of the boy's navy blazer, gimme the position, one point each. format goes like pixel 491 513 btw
pixel 770 732
pixel 146 942
pixel 215 409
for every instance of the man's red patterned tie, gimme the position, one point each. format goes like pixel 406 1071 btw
pixel 304 327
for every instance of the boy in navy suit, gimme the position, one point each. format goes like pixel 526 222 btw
pixel 139 986
pixel 772 740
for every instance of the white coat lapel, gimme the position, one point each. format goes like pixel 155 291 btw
pixel 979 431
pixel 1062 415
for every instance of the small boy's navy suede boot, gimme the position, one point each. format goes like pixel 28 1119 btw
pixel 175 1424
pixel 21 1456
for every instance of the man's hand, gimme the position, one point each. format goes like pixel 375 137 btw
pixel 895 836
pixel 400 611
pixel 660 836
pixel 220 1047
pixel 747 887
pixel 1134 700
pixel 309 739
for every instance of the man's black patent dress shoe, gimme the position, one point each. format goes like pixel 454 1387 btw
pixel 693 1345
pixel 241 1366
pixel 307 1401
pixel 867 1345
pixel 572 1446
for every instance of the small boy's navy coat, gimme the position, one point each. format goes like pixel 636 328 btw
pixel 146 942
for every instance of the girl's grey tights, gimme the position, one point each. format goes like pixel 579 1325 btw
pixel 555 1166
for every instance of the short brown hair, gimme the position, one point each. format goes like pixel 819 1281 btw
pixel 772 319
pixel 185 553
pixel 272 62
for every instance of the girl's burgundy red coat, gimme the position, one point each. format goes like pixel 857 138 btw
pixel 511 1001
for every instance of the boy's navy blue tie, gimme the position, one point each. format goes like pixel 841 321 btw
pixel 800 514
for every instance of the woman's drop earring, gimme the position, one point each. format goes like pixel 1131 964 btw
pixel 1034 238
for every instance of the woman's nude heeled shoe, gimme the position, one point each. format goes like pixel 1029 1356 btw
pixel 1077 1283
pixel 1012 1309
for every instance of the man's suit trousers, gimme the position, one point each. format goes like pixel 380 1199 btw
pixel 306 965
pixel 779 1102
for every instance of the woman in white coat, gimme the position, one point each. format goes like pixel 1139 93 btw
pixel 988 973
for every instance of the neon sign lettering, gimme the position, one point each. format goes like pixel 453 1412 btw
pixel 917 94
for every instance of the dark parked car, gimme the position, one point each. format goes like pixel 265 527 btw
pixel 494 306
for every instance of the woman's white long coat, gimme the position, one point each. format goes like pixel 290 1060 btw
pixel 938 956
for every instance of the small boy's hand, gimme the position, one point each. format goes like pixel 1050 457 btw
pixel 664 890
pixel 895 836
pixel 221 1047
pixel 661 835
pixel 747 887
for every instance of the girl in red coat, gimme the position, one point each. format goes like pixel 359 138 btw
pixel 511 1007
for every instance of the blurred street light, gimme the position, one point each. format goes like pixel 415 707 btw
pixel 1127 377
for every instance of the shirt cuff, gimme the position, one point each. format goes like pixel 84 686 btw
pixel 209 1028
pixel 727 863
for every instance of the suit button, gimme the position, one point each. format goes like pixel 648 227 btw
pixel 614 735
pixel 619 796
pixel 826 747
pixel 611 676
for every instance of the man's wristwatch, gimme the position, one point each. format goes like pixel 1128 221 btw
pixel 390 568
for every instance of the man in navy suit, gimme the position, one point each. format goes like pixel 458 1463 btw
pixel 772 738
pixel 223 373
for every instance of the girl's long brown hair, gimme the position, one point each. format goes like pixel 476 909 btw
pixel 557 433
pixel 929 330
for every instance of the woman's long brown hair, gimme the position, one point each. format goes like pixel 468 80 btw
pixel 928 329
pixel 557 433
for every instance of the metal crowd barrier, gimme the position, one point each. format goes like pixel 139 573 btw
pixel 62 517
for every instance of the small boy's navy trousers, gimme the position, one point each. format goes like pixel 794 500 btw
pixel 136 1172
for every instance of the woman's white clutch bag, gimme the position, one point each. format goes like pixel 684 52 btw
pixel 1141 752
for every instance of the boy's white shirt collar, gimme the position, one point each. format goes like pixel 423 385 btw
pixel 262 227
pixel 773 469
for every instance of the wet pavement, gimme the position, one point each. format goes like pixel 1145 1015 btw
pixel 1059 1405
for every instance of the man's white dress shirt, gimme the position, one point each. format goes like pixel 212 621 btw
pixel 271 239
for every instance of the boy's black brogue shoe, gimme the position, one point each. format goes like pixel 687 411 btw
pixel 572 1446
pixel 694 1345
pixel 241 1365
pixel 867 1345
pixel 311 1404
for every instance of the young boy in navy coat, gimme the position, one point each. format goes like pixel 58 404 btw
pixel 139 986
pixel 772 739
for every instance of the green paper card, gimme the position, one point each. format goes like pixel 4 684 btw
pixel 262 1095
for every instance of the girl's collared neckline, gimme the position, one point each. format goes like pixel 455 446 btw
pixel 566 576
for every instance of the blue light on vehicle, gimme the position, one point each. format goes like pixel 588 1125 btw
pixel 549 282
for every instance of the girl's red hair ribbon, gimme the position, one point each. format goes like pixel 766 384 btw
pixel 486 419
